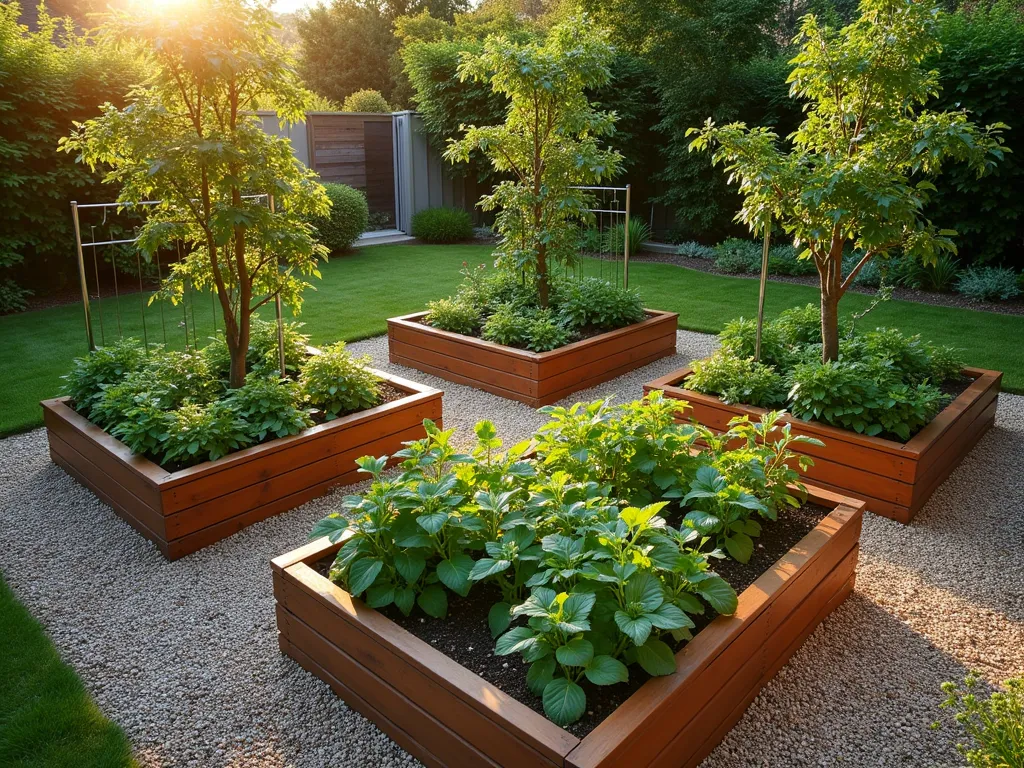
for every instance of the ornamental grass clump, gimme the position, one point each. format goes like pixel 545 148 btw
pixel 592 582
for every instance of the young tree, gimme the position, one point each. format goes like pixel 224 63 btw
pixel 187 140
pixel 860 167
pixel 547 144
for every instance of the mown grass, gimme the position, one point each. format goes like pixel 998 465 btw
pixel 361 290
pixel 47 719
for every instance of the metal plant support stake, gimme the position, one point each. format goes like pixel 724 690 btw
pixel 609 239
pixel 625 239
pixel 81 276
pixel 760 298
pixel 277 311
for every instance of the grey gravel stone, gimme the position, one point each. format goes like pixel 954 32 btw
pixel 184 655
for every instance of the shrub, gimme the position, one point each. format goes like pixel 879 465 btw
pixel 176 377
pixel 269 406
pixel 544 332
pixel 590 240
pixel 942 276
pixel 348 219
pixel 639 233
pixel 143 426
pixel 994 723
pixel 337 383
pixel 870 275
pixel 737 256
pixel 442 225
pixel 262 356
pixel 366 100
pixel 596 303
pixel 198 433
pixel 799 325
pixel 739 339
pixel 782 260
pixel 506 326
pixel 738 380
pixel 988 284
pixel 12 297
pixel 694 250
pixel 103 367
pixel 453 315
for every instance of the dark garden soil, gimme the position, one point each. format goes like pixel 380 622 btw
pixel 588 332
pixel 1014 307
pixel 464 635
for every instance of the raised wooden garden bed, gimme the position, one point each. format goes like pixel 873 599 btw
pixel 189 509
pixel 896 479
pixel 534 378
pixel 446 715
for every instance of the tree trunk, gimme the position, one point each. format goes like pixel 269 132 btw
pixel 830 274
pixel 238 347
pixel 542 276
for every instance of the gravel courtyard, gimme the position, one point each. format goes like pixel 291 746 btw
pixel 184 655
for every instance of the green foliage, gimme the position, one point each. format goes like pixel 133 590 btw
pixel 988 284
pixel 596 303
pixel 940 276
pixel 884 383
pixel 981 69
pixel 52 77
pixel 104 367
pixel 269 406
pixel 348 219
pixel 198 433
pixel 507 325
pixel 545 332
pixel 547 144
pixel 211 60
pixel 442 225
pixel 175 377
pixel 592 578
pixel 695 250
pixel 737 256
pixel 336 383
pixel 454 315
pixel 994 723
pixel 262 355
pixel 366 100
pixel 854 173
pixel 639 233
pixel 784 260
pixel 738 380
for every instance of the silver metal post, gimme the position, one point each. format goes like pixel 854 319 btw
pixel 625 239
pixel 81 276
pixel 760 298
pixel 277 310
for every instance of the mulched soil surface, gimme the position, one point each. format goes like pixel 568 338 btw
pixel 465 637
pixel 1015 307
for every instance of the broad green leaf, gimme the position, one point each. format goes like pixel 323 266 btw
pixel 454 572
pixel 637 630
pixel 333 526
pixel 434 601
pixel 645 589
pixel 576 653
pixel 669 616
pixel 410 566
pixel 719 594
pixel 564 701
pixel 656 658
pixel 498 618
pixel 540 674
pixel 604 670
pixel 487 566
pixel 433 522
pixel 380 595
pixel 577 607
pixel 740 547
pixel 513 640
pixel 362 573
pixel 405 599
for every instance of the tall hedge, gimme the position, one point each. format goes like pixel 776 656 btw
pixel 51 78
pixel 981 69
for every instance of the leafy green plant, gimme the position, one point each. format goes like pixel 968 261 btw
pixel 143 425
pixel 262 355
pixel 994 723
pixel 347 220
pixel 269 406
pixel 596 303
pixel 988 284
pixel 12 297
pixel 738 380
pixel 178 377
pixel 737 256
pixel 639 233
pixel 366 100
pixel 336 383
pixel 442 225
pixel 454 315
pixel 506 326
pixel 101 368
pixel 783 260
pixel 694 250
pixel 545 332
pixel 941 276
pixel 197 433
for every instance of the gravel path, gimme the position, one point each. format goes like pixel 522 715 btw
pixel 184 655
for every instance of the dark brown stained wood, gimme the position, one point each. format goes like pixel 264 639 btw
pixel 355 149
pixel 484 715
pixel 669 721
pixel 380 167
pixel 895 479
pixel 195 507
pixel 534 378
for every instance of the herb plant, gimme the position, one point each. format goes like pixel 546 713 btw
pixel 337 383
pixel 994 723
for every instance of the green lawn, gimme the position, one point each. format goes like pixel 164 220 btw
pixel 47 720
pixel 360 291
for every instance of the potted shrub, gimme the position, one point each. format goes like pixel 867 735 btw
pixel 188 460
pixel 239 204
pixel 858 176
pixel 576 605
pixel 527 333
